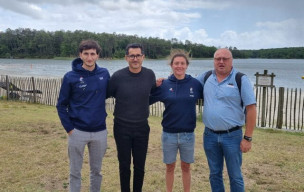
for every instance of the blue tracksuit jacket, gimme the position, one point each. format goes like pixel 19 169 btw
pixel 81 102
pixel 179 97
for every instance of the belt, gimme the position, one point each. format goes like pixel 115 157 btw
pixel 225 131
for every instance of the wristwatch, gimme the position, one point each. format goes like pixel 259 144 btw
pixel 247 138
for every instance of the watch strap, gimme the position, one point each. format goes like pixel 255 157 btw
pixel 247 138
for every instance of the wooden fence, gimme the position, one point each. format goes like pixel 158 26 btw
pixel 280 108
pixel 37 90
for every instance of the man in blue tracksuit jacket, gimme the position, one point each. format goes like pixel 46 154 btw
pixel 81 109
pixel 179 93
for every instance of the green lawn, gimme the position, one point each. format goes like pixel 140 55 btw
pixel 33 156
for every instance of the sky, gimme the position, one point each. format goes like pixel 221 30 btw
pixel 244 24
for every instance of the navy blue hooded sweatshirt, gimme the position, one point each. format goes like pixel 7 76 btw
pixel 81 102
pixel 179 97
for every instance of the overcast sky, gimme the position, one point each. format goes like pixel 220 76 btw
pixel 245 24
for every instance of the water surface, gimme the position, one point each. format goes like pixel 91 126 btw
pixel 288 71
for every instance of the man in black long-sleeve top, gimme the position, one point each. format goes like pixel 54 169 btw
pixel 131 87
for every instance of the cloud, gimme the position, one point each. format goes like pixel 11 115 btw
pixel 23 8
pixel 287 33
pixel 238 23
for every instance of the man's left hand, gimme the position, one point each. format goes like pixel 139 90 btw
pixel 159 81
pixel 245 146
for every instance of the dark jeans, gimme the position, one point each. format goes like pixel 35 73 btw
pixel 131 141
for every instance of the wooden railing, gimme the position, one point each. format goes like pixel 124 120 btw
pixel 281 108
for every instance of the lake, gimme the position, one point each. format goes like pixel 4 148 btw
pixel 288 71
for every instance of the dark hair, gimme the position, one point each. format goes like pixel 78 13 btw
pixel 89 44
pixel 178 53
pixel 134 46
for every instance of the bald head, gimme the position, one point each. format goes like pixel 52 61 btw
pixel 223 62
pixel 223 50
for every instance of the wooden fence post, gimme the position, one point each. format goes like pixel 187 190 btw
pixel 7 86
pixel 263 120
pixel 34 89
pixel 280 108
pixel 295 108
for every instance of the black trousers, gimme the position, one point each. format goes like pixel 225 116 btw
pixel 131 141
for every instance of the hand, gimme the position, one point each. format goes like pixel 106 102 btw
pixel 245 146
pixel 70 133
pixel 159 81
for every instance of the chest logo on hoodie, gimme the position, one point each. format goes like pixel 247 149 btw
pixel 82 83
pixel 171 89
pixel 81 80
pixel 100 78
pixel 191 92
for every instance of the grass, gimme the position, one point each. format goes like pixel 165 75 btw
pixel 33 156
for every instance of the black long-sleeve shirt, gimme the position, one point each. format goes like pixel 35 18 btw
pixel 131 91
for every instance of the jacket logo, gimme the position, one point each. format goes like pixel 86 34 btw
pixel 191 92
pixel 171 89
pixel 81 80
pixel 100 78
pixel 82 83
pixel 82 86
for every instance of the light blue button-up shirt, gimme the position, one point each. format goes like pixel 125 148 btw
pixel 222 101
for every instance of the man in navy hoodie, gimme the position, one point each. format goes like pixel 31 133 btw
pixel 81 109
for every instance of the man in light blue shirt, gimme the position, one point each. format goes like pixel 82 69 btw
pixel 223 116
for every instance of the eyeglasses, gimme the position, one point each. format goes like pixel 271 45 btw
pixel 221 58
pixel 134 56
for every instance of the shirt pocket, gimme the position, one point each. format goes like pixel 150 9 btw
pixel 228 92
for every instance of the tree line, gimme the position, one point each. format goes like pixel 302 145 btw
pixel 31 43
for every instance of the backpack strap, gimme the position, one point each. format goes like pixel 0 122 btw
pixel 238 80
pixel 208 73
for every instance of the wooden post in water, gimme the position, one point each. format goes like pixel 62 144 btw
pixel 280 108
